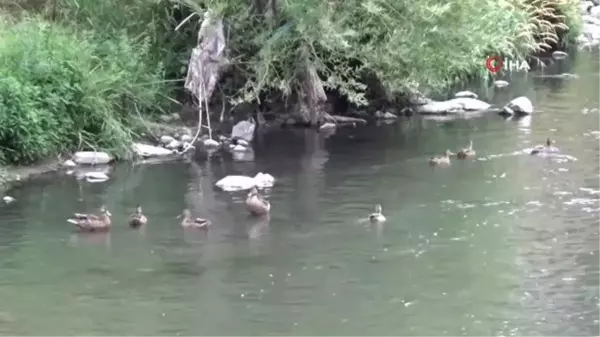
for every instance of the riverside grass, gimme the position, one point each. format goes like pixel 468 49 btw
pixel 74 74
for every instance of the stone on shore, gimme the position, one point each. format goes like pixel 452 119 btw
pixel 91 158
pixel 145 150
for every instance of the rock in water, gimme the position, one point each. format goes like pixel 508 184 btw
pixel 455 105
pixel 69 163
pixel 519 106
pixel 91 158
pixel 500 84
pixel 327 126
pixel 239 148
pixel 164 140
pixel 145 150
pixel 242 142
pixel 210 143
pixel 244 130
pixel 559 55
pixel 465 94
pixel 240 183
pixel 8 199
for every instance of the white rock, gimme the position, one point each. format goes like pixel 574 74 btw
pixel 595 12
pixel 240 183
pixel 145 150
pixel 69 163
pixel 264 180
pixel 389 115
pixel 211 143
pixel 520 105
pixel 500 84
pixel 94 177
pixel 244 130
pixel 186 138
pixel 242 142
pixel 467 94
pixel 164 140
pixel 91 158
pixel 559 55
pixel 239 148
pixel 455 105
pixel 327 126
pixel 7 199
pixel 175 144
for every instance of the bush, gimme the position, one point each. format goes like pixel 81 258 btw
pixel 61 89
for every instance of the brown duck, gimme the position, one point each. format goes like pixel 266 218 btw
pixel 91 222
pixel 137 219
pixel 189 222
pixel 467 152
pixel 256 203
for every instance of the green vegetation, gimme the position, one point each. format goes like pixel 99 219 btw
pixel 78 74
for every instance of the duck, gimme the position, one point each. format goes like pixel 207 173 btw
pixel 189 222
pixel 466 152
pixel 545 148
pixel 90 222
pixel 256 203
pixel 137 219
pixel 441 160
pixel 377 216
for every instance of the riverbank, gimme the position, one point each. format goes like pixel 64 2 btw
pixel 94 73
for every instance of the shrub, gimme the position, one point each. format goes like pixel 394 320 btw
pixel 61 89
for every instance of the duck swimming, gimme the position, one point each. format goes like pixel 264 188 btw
pixel 256 203
pixel 189 222
pixel 377 216
pixel 91 222
pixel 137 219
pixel 546 148
pixel 441 160
pixel 467 152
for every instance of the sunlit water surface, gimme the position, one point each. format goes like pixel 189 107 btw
pixel 503 245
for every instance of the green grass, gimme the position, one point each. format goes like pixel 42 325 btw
pixel 62 89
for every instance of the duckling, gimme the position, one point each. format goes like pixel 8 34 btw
pixel 545 148
pixel 256 203
pixel 467 152
pixel 377 217
pixel 91 222
pixel 189 222
pixel 441 160
pixel 137 219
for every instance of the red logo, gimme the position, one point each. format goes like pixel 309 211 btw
pixel 493 64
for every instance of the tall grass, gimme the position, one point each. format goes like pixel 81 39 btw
pixel 62 89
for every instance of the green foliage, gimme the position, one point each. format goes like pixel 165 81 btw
pixel 61 89
pixel 406 44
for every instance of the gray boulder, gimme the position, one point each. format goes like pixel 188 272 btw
pixel 520 106
pixel 91 158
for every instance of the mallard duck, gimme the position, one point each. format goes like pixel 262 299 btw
pixel 466 152
pixel 545 148
pixel 137 219
pixel 91 222
pixel 189 222
pixel 376 216
pixel 256 203
pixel 441 160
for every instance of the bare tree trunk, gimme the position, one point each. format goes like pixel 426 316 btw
pixel 312 95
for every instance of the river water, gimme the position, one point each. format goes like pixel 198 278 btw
pixel 503 245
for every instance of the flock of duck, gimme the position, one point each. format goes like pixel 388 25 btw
pixel 256 204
